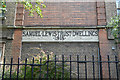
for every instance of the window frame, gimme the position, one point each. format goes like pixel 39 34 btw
pixel 118 11
pixel 118 6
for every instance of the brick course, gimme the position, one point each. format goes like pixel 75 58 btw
pixel 100 4
pixel 17 41
pixel 64 13
pixel 69 13
pixel 101 16
pixel 16 44
pixel 101 10
pixel 106 49
pixel 19 15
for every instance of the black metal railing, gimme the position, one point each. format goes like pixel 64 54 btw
pixel 64 68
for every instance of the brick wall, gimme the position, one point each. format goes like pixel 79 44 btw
pixel 16 44
pixel 64 13
pixel 76 48
pixel 82 14
pixel 101 16
pixel 106 49
pixel 69 13
pixel 19 15
pixel 17 41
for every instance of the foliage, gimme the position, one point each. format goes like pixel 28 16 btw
pixel 29 6
pixel 115 23
pixel 43 72
pixel 2 7
pixel 34 7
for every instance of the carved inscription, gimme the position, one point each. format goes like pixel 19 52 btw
pixel 60 35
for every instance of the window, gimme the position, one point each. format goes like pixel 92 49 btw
pixel 118 7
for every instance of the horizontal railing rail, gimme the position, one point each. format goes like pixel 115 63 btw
pixel 54 68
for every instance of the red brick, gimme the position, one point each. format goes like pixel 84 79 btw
pixel 104 50
pixel 101 16
pixel 100 10
pixel 16 44
pixel 69 13
pixel 19 16
pixel 100 4
pixel 20 5
pixel 101 22
pixel 19 22
pixel 100 0
pixel 20 9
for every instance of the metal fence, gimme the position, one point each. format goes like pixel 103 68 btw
pixel 64 69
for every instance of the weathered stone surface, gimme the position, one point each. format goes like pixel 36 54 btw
pixel 110 35
pixel 8 50
pixel 111 10
pixel 7 33
pixel 60 35
pixel 0 22
pixel 10 13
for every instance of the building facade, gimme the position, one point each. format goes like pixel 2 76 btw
pixel 69 28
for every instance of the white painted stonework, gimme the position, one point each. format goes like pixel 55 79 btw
pixel 60 35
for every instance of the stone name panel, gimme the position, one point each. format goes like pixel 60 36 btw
pixel 60 35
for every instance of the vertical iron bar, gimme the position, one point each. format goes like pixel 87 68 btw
pixel 85 68
pixel 32 69
pixel 109 67
pixel 55 67
pixel 40 68
pixel 93 67
pixel 47 66
pixel 11 67
pixel 25 68
pixel 101 77
pixel 18 69
pixel 116 59
pixel 70 67
pixel 99 65
pixel 62 67
pixel 78 66
pixel 3 69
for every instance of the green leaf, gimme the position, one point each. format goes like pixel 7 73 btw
pixel 44 6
